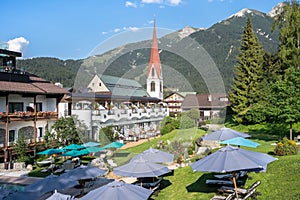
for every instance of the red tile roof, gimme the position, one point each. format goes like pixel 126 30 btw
pixel 204 101
pixel 35 85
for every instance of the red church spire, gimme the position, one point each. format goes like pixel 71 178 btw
pixel 154 57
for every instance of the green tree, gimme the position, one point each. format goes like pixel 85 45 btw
pixel 69 130
pixel 194 114
pixel 285 97
pixel 21 149
pixel 247 77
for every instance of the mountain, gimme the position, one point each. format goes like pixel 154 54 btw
pixel 195 56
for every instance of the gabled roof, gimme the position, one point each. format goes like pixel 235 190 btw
pixel 154 56
pixel 27 83
pixel 123 86
pixel 204 101
pixel 182 94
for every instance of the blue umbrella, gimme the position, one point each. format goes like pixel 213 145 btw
pixel 83 172
pixel 232 159
pixel 58 196
pixel 141 168
pixel 75 153
pixel 50 151
pixel 155 155
pixel 229 159
pixel 118 191
pixel 73 147
pixel 240 142
pixel 94 149
pixel 50 183
pixel 224 134
pixel 91 144
pixel 113 145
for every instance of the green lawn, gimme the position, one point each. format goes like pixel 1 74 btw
pixel 281 181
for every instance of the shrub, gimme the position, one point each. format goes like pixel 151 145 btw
pixel 286 147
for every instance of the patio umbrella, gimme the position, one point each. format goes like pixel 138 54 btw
pixel 50 183
pixel 113 145
pixel 91 144
pixel 83 172
pixel 73 147
pixel 118 191
pixel 50 151
pixel 240 141
pixel 141 168
pixel 232 159
pixel 94 149
pixel 58 196
pixel 224 134
pixel 75 153
pixel 155 155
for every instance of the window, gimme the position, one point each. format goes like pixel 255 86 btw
pixel 153 72
pixel 15 107
pixel 40 132
pixel 11 137
pixel 99 84
pixel 152 88
pixel 39 107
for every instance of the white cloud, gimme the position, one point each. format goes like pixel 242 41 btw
pixel 104 33
pixel 130 4
pixel 174 2
pixel 130 28
pixel 18 44
pixel 117 30
pixel 152 1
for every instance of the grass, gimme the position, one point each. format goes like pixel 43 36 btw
pixel 279 182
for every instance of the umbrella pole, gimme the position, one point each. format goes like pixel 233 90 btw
pixel 235 185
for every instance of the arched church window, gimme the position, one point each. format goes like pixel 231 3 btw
pixel 152 72
pixel 152 86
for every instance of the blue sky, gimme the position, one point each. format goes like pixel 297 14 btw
pixel 71 29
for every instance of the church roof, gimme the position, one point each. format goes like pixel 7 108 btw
pixel 154 56
pixel 123 86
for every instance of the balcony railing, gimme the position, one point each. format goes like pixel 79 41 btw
pixel 119 115
pixel 25 115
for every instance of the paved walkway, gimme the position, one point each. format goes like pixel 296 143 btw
pixel 17 177
pixel 22 180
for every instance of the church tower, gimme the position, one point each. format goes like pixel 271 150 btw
pixel 154 76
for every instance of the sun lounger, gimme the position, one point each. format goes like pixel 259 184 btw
pixel 221 182
pixel 45 162
pixel 229 197
pixel 49 169
pixel 243 191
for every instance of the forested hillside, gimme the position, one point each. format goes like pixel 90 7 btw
pixel 221 42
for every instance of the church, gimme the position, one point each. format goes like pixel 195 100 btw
pixel 133 111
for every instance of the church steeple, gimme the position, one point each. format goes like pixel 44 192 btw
pixel 154 77
pixel 154 56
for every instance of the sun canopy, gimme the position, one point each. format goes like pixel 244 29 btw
pixel 239 141
pixel 155 155
pixel 118 191
pixel 141 168
pixel 224 134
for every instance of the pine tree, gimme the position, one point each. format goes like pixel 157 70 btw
pixel 247 77
pixel 285 97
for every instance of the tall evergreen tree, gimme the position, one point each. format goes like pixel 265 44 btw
pixel 247 77
pixel 285 97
